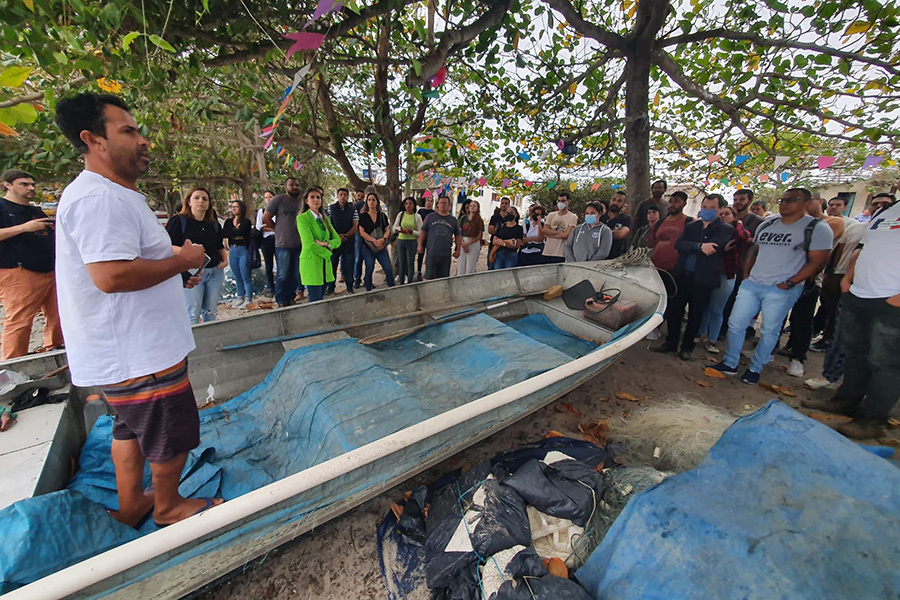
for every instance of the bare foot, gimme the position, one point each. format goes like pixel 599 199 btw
pixel 188 507
pixel 6 421
pixel 132 518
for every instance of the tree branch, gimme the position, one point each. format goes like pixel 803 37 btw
pixel 727 34
pixel 454 39
pixel 36 95
pixel 574 18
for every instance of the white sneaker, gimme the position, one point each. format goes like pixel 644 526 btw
pixel 795 369
pixel 243 303
pixel 818 383
pixel 712 348
pixel 237 303
pixel 653 335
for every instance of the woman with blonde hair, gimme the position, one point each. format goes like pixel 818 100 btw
pixel 472 226
pixel 197 222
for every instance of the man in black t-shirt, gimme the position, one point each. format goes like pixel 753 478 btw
pixel 619 222
pixel 27 260
pixel 345 220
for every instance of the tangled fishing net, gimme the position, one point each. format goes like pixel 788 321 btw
pixel 673 435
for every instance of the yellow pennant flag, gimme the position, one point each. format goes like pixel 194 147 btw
pixel 572 186
pixel 573 88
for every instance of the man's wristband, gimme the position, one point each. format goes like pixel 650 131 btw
pixel 789 283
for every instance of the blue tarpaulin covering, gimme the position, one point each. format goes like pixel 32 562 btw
pixel 781 507
pixel 317 403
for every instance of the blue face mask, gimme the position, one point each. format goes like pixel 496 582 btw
pixel 708 214
pixel 590 219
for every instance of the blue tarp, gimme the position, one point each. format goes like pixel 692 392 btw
pixel 781 507
pixel 317 403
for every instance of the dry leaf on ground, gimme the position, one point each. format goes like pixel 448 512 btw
pixel 829 419
pixel 564 407
pixel 595 432
pixel 710 372
pixel 702 383
pixel 893 424
pixel 397 510
pixel 552 434
pixel 627 396
pixel 778 389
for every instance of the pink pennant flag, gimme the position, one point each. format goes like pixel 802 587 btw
pixel 427 194
pixel 595 187
pixel 268 143
pixel 303 41
pixel 323 8
pixel 298 165
pixel 528 184
pixel 764 178
pixel 439 78
pixel 713 158
pixel 482 182
pixel 872 162
pixel 825 161
pixel 506 183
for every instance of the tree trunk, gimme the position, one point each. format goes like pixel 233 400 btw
pixel 247 191
pixel 637 127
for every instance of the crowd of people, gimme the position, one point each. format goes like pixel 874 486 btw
pixel 130 290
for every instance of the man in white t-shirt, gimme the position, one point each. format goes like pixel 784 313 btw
pixel 557 229
pixel 870 331
pixel 122 308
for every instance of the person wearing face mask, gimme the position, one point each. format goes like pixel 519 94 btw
pixel 592 239
pixel 557 229
pixel 533 240
pixel 495 222
pixel 619 223
pixel 698 272
pixel 507 241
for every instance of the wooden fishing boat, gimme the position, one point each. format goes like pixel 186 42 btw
pixel 252 362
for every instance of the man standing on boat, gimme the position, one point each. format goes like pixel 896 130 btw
pixel 122 308
pixel 438 233
pixel 26 267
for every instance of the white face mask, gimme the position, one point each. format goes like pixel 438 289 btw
pixel 561 205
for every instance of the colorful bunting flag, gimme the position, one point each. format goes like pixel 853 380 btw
pixel 506 183
pixel 323 8
pixel 784 177
pixel 872 162
pixel 741 159
pixel 420 150
pixel 439 78
pixel 764 178
pixel 303 41
pixel 432 94
pixel 825 161
pixel 713 158
pixel 779 162
pixel 298 165
pixel 595 187
pixel 528 184
pixel 551 185
pixel 745 180
pixel 524 155
pixel 427 194
pixel 615 186
pixel 572 186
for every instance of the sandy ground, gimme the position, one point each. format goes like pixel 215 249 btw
pixel 339 559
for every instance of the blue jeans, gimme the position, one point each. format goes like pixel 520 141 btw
pixel 383 259
pixel 345 255
pixel 505 260
pixel 203 298
pixel 239 259
pixel 407 259
pixel 358 262
pixel 774 304
pixel 711 326
pixel 287 278
pixel 316 292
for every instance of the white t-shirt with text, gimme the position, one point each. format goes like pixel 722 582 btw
pixel 114 337
pixel 877 271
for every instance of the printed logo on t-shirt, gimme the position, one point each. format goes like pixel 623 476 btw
pixel 596 234
pixel 889 224
pixel 772 238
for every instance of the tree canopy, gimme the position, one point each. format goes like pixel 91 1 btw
pixel 466 88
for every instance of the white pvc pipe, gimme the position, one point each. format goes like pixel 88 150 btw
pixel 112 562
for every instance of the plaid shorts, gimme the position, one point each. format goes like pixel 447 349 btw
pixel 159 410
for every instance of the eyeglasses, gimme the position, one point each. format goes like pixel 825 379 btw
pixel 790 199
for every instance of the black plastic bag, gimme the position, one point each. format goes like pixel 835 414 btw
pixel 567 489
pixel 412 521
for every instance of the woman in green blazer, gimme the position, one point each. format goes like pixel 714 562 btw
pixel 319 239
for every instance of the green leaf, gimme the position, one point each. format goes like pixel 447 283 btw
pixel 126 41
pixel 20 113
pixel 161 43
pixel 14 77
pixel 417 67
pixel 61 57
pixel 351 4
